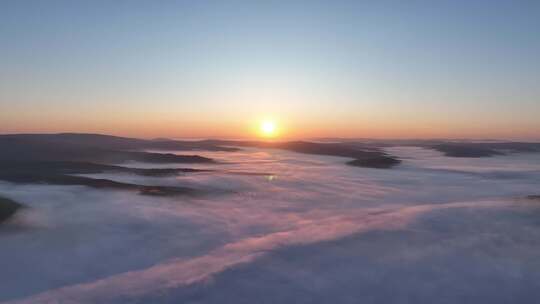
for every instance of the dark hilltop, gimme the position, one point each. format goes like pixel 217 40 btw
pixel 59 158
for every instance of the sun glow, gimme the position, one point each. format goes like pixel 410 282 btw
pixel 268 128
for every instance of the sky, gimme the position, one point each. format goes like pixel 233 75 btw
pixel 379 69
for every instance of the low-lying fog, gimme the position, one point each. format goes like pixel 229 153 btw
pixel 282 227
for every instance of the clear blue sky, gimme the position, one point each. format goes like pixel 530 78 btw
pixel 318 68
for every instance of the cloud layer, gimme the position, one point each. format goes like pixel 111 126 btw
pixel 297 224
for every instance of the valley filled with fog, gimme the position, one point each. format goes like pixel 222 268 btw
pixel 275 226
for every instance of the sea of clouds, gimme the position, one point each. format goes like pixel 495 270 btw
pixel 283 227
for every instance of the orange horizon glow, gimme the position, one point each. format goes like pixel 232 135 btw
pixel 218 75
pixel 280 130
pixel 242 118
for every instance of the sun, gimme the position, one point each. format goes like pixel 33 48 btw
pixel 268 128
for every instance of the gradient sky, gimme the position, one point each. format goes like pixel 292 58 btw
pixel 385 69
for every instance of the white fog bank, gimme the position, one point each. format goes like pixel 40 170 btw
pixel 309 229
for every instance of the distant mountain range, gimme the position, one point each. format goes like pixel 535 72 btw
pixel 60 159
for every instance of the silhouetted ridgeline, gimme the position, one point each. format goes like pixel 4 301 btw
pixel 87 148
pixel 106 149
pixel 363 154
pixel 485 149
pixel 378 162
pixel 51 178
pixel 7 208
pixel 451 148
pixel 58 173
pixel 114 142
pixel 69 167
pixel 54 159
pixel 362 157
